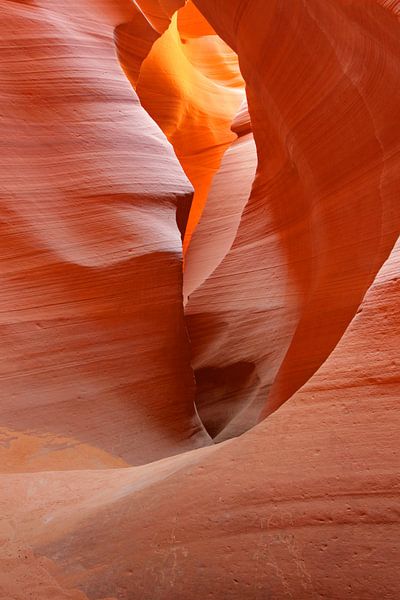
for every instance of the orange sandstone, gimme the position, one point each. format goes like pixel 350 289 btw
pixel 247 450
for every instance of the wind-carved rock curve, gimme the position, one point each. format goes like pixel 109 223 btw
pixel 142 453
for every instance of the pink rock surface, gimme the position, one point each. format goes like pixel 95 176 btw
pixel 305 505
pixel 228 195
pixel 190 84
pixel 95 364
pixel 324 210
pixel 111 486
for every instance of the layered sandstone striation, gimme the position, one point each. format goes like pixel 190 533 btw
pixel 228 429
pixel 95 363
pixel 324 211
pixel 190 83
pixel 302 506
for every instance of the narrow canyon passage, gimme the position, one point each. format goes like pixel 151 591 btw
pixel 199 308
pixel 259 331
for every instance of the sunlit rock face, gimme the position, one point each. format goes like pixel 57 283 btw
pixel 200 305
pixel 190 83
pixel 324 210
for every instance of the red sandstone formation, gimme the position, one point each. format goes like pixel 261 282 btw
pixel 324 210
pixel 191 85
pixel 95 360
pixel 226 200
pixel 249 449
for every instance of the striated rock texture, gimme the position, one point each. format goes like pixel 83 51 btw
pixel 223 390
pixel 230 432
pixel 95 363
pixel 191 85
pixel 303 506
pixel 324 212
pixel 226 200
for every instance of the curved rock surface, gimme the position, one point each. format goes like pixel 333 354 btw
pixel 95 363
pixel 191 85
pixel 112 487
pixel 228 195
pixel 305 505
pixel 220 390
pixel 324 212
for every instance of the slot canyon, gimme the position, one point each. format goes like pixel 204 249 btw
pixel 200 300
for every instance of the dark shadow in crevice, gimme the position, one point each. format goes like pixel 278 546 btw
pixel 221 393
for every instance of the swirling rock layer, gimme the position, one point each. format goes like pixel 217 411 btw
pixel 95 364
pixel 111 485
pixel 324 210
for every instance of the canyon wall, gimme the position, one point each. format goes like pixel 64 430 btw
pixel 323 214
pixel 199 306
pixel 95 363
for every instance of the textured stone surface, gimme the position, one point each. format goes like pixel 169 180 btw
pixel 110 486
pixel 305 505
pixel 323 93
pixel 94 354
pixel 191 85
